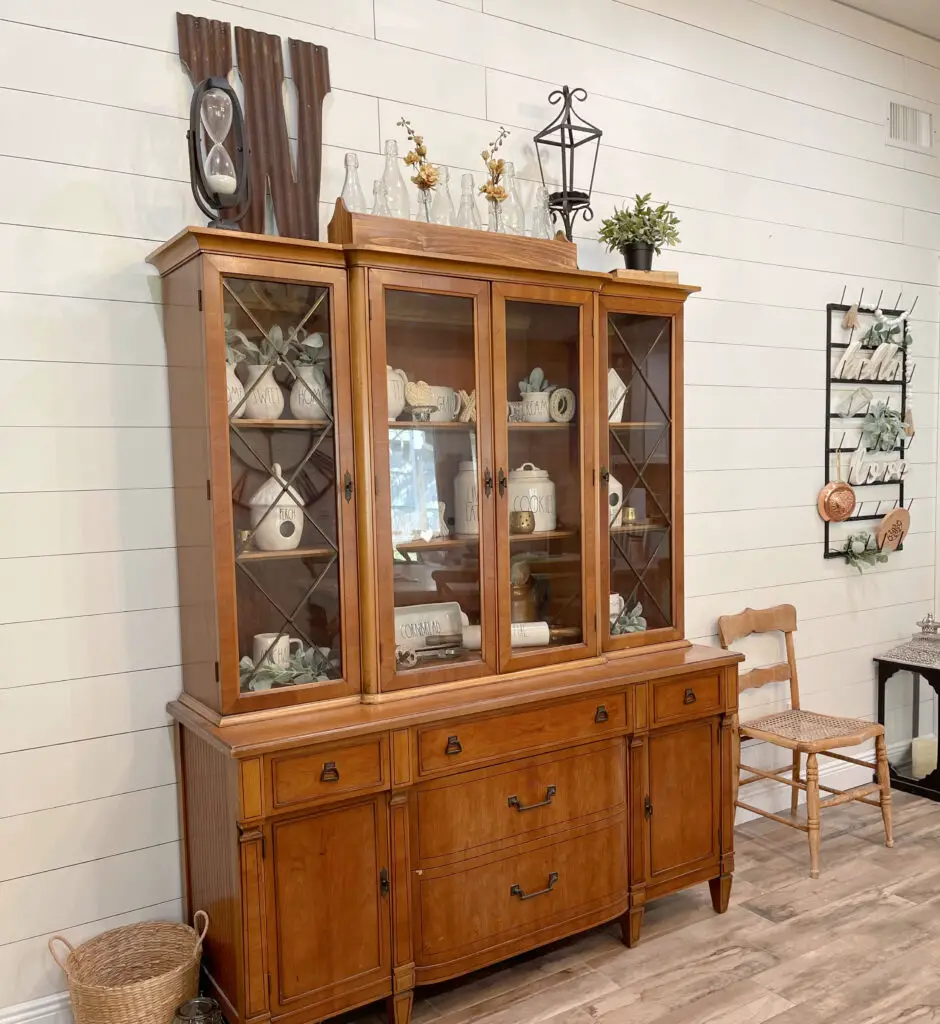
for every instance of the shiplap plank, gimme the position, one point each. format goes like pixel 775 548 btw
pixel 87 770
pixel 62 899
pixel 59 837
pixel 73 710
pixel 27 972
pixel 88 646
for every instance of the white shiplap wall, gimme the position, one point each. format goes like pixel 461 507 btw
pixel 761 121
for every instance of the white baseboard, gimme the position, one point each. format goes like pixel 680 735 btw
pixel 55 1009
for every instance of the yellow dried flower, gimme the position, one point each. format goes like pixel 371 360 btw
pixel 486 155
pixel 421 151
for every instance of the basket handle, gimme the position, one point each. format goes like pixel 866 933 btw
pixel 201 931
pixel 65 942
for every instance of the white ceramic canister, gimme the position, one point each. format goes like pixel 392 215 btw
pixel 531 490
pixel 265 399
pixel 466 500
pixel 395 381
pixel 282 527
pixel 614 502
pixel 235 391
pixel 310 396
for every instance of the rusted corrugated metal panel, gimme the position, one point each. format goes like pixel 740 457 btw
pixel 310 66
pixel 205 46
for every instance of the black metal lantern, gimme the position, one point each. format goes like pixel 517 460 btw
pixel 218 171
pixel 569 132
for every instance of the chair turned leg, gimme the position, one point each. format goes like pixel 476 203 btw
pixel 812 813
pixel 795 793
pixel 399 1007
pixel 884 780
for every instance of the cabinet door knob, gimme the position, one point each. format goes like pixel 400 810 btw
pixel 383 882
pixel 453 746
pixel 501 477
pixel 549 793
pixel 487 482
pixel 601 715
pixel 647 807
pixel 330 772
pixel 517 890
pixel 605 474
pixel 348 486
pixel 689 697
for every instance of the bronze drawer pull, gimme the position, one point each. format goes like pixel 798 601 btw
pixel 647 807
pixel 689 697
pixel 503 480
pixel 487 482
pixel 453 746
pixel 517 890
pixel 549 793
pixel 330 772
pixel 601 714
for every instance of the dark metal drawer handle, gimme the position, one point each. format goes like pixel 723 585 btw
pixel 453 746
pixel 384 886
pixel 487 482
pixel 601 714
pixel 517 890
pixel 330 772
pixel 647 807
pixel 549 793
pixel 689 697
pixel 502 480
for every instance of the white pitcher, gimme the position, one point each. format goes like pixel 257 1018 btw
pixel 395 384
pixel 310 396
pixel 266 401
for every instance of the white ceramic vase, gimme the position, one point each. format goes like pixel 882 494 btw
pixel 310 396
pixel 266 401
pixel 276 515
pixel 466 501
pixel 395 385
pixel 235 391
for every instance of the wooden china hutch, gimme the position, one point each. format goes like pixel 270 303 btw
pixel 422 732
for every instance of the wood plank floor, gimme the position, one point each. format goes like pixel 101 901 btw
pixel 859 946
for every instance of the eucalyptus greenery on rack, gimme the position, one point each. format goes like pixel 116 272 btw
pixel 860 550
pixel 629 622
pixel 309 666
pixel 886 329
pixel 882 428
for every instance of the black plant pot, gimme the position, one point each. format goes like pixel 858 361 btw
pixel 638 256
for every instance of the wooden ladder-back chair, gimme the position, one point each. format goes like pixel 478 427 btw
pixel 802 732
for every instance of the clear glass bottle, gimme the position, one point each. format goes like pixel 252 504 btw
pixel 442 208
pixel 398 202
pixel 380 199
pixel 352 193
pixel 494 216
pixel 513 215
pixel 541 218
pixel 468 216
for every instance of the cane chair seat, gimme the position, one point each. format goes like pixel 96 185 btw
pixel 808 731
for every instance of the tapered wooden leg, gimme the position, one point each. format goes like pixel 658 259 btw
pixel 884 780
pixel 399 1007
pixel 795 793
pixel 630 924
pixel 812 813
pixel 721 892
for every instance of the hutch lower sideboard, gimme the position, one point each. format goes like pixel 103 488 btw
pixel 438 706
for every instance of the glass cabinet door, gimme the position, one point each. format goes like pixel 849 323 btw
pixel 434 479
pixel 290 508
pixel 640 509
pixel 543 390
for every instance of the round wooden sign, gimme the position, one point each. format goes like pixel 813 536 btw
pixel 893 529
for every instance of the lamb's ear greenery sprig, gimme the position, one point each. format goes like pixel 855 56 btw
pixel 860 550
pixel 882 427
pixel 629 622
pixel 308 666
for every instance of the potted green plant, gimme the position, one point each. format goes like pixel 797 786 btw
pixel 639 230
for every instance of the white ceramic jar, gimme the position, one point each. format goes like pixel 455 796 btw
pixel 265 399
pixel 531 490
pixel 310 396
pixel 614 503
pixel 282 527
pixel 466 501
pixel 395 381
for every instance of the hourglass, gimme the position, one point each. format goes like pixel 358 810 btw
pixel 219 174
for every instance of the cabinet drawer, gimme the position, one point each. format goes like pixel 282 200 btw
pixel 465 814
pixel 675 700
pixel 311 775
pixel 460 744
pixel 462 908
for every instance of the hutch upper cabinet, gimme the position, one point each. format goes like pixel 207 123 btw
pixel 438 705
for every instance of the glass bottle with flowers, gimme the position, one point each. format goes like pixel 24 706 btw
pixel 426 175
pixel 492 188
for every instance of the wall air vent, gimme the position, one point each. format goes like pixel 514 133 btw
pixel 909 128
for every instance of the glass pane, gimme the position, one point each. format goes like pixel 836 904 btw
pixel 432 440
pixel 284 493
pixel 543 351
pixel 639 488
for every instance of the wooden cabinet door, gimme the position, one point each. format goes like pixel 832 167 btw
pixel 683 812
pixel 544 445
pixel 329 923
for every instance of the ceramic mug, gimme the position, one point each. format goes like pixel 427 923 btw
pixel 535 407
pixel 448 404
pixel 279 654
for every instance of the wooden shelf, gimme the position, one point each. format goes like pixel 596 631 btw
pixel 412 425
pixel 438 544
pixel 525 538
pixel 638 528
pixel 281 424
pixel 266 556
pixel 638 425
pixel 542 426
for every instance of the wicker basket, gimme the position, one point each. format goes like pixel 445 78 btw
pixel 138 974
